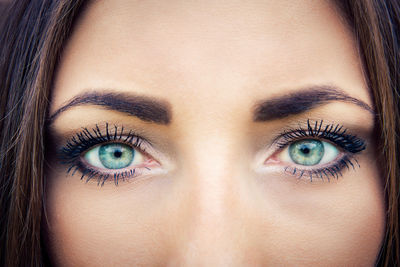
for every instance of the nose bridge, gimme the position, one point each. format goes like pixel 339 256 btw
pixel 211 173
pixel 210 166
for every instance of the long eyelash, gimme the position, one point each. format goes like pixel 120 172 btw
pixel 338 135
pixel 334 133
pixel 70 154
pixel 334 170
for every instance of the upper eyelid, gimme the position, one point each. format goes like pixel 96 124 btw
pixel 118 133
pixel 106 135
pixel 147 148
pixel 308 125
pixel 136 145
pixel 282 146
pixel 325 132
pixel 86 139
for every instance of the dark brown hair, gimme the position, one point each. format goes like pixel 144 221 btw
pixel 376 25
pixel 33 33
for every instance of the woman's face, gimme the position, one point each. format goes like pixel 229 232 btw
pixel 239 133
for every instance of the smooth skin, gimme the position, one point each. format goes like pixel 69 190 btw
pixel 214 200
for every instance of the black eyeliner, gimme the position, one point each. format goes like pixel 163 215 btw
pixel 70 154
pixel 336 134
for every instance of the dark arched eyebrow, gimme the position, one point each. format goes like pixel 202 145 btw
pixel 301 101
pixel 147 109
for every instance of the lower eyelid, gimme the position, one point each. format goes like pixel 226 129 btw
pixel 149 163
pixel 334 170
pixel 277 162
pixel 101 176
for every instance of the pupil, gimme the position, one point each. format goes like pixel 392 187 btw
pixel 305 150
pixel 117 153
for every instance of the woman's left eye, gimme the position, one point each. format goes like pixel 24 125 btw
pixel 113 156
pixel 317 150
pixel 309 152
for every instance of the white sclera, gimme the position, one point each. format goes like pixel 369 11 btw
pixel 331 153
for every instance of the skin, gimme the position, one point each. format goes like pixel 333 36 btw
pixel 215 199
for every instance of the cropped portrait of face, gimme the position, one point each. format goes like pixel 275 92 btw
pixel 212 133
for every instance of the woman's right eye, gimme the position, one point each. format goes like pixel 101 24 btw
pixel 109 154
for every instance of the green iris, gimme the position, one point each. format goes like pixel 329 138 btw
pixel 306 152
pixel 116 156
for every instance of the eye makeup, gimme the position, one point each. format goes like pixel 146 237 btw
pixel 73 153
pixel 314 150
pixel 334 135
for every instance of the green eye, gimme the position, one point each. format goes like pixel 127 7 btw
pixel 306 152
pixel 116 156
pixel 310 152
pixel 112 156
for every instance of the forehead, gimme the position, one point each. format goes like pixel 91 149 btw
pixel 174 49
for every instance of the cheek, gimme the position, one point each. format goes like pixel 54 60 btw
pixel 340 223
pixel 148 223
pixel 105 226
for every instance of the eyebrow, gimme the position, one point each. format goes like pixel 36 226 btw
pixel 147 109
pixel 302 101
